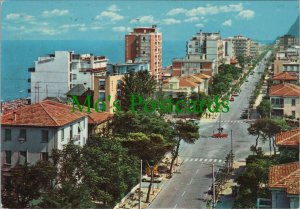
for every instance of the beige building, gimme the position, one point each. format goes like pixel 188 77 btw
pixel 285 100
pixel 108 89
pixel 241 46
pixel 145 44
pixel 254 49
pixel 287 60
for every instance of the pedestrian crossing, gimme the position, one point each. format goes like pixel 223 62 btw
pixel 235 121
pixel 204 160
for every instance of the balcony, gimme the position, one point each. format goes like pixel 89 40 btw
pixel 29 80
pixel 28 90
pixel 31 69
pixel 277 106
pixel 102 87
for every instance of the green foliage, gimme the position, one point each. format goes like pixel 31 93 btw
pixel 147 123
pixel 139 83
pixel 264 108
pixel 109 170
pixel 287 155
pixel 26 184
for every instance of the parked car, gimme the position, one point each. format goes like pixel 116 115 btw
pixel 235 94
pixel 147 178
pixel 244 115
pixel 231 99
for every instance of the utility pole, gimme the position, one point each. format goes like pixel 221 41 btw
pixel 231 141
pixel 140 192
pixel 213 186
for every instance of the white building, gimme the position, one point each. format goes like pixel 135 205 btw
pixel 57 73
pixel 228 50
pixel 29 133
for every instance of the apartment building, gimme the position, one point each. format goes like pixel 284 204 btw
pixel 57 73
pixel 229 53
pixel 254 49
pixel 287 60
pixel 241 46
pixel 145 44
pixel 184 67
pixel 29 133
pixel 287 41
pixel 285 100
pixel 206 46
pixel 105 86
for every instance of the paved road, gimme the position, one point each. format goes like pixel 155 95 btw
pixel 187 187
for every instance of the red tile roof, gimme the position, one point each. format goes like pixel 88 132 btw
pixel 284 76
pixel 203 76
pixel 286 89
pixel 185 83
pixel 285 176
pixel 99 117
pixel 288 138
pixel 44 113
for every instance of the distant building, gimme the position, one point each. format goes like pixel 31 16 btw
pixel 284 77
pixel 184 67
pixel 287 60
pixel 229 53
pixel 124 68
pixel 241 46
pixel 287 41
pixel 105 86
pixel 205 46
pixel 254 49
pixel 285 100
pixel 57 73
pixel 145 44
pixel 194 83
pixel 284 185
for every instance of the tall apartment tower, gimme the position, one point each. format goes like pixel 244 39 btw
pixel 145 44
pixel 241 46
pixel 206 46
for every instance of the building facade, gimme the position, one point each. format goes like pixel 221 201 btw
pixel 121 69
pixel 145 44
pixel 30 133
pixel 57 73
pixel 241 46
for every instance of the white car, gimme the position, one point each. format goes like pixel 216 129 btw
pixel 147 178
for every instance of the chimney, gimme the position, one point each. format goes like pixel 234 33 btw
pixel 14 116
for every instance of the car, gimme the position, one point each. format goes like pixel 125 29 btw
pixel 244 115
pixel 246 81
pixel 235 94
pixel 231 99
pixel 147 178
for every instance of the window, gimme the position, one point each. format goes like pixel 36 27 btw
pixel 119 84
pixel 79 128
pixel 102 96
pixel 273 101
pixel 74 76
pixel 23 134
pixel 22 157
pixel 7 135
pixel 45 156
pixel 119 94
pixel 293 102
pixel 102 84
pixel 71 132
pixel 8 157
pixel 62 134
pixel 45 135
pixel 294 114
pixel 144 52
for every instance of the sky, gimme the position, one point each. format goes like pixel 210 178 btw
pixel 177 20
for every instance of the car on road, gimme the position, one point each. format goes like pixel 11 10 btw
pixel 246 80
pixel 147 178
pixel 244 115
pixel 231 99
pixel 235 94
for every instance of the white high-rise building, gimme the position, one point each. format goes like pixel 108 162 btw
pixel 55 74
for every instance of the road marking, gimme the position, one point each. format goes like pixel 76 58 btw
pixel 191 159
pixel 205 160
pixel 220 161
pixel 215 160
pixel 190 182
pixel 187 159
pixel 200 159
pixel 183 194
pixel 175 206
pixel 196 159
pixel 210 160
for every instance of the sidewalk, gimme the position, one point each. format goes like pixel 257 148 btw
pixel 131 200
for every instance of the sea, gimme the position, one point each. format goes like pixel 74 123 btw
pixel 18 55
